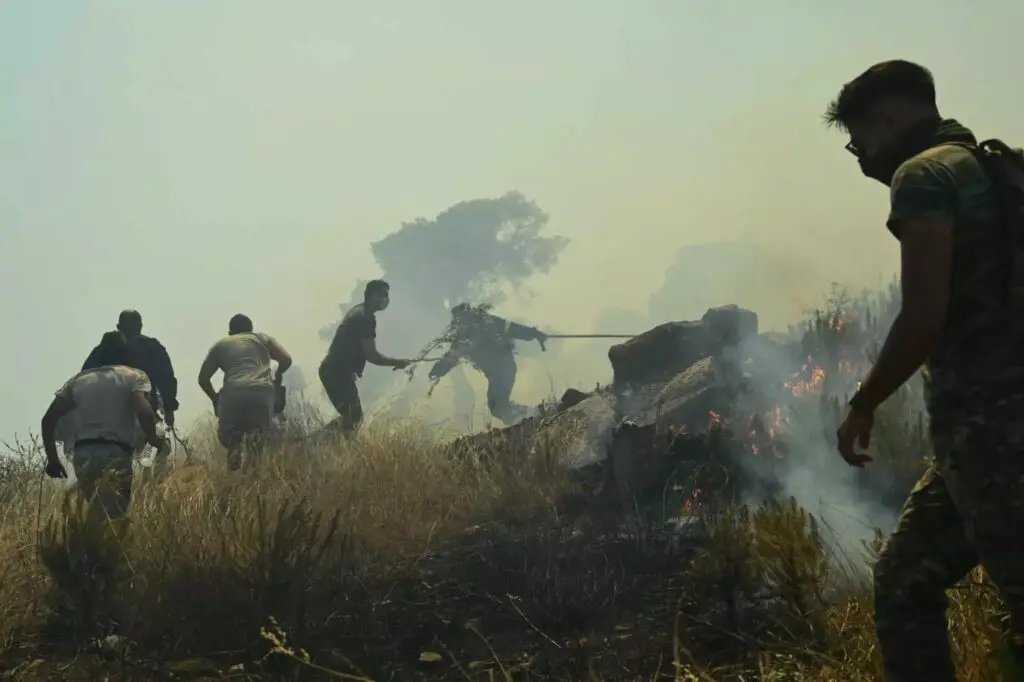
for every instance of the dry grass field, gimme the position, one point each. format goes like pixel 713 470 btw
pixel 389 559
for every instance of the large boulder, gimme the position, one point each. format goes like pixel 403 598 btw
pixel 577 432
pixel 658 354
pixel 661 353
pixel 688 399
pixel 730 325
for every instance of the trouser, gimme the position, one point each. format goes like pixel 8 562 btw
pixel 500 371
pixel 967 509
pixel 104 473
pixel 244 415
pixel 343 393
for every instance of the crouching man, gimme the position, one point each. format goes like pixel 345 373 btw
pixel 245 404
pixel 106 403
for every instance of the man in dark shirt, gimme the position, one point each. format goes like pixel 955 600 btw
pixel 958 320
pixel 355 344
pixel 488 342
pixel 150 356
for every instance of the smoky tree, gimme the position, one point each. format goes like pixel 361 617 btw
pixel 474 251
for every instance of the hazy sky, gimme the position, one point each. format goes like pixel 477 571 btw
pixel 197 158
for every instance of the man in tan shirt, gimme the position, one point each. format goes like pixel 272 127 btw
pixel 107 404
pixel 245 404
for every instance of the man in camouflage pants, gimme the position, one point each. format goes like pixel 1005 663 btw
pixel 957 320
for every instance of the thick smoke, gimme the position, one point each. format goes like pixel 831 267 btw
pixel 476 251
pixel 850 506
pixel 713 274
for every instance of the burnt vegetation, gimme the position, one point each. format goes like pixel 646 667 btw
pixel 686 553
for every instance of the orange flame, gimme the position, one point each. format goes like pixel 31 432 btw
pixel 814 383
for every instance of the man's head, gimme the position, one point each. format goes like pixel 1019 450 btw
pixel 879 108
pixel 377 295
pixel 239 324
pixel 129 323
pixel 114 349
pixel 460 311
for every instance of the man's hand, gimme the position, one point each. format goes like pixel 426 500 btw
pixel 542 338
pixel 855 430
pixel 54 469
pixel 169 418
pixel 401 364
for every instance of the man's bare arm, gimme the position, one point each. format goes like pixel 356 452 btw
pixel 59 406
pixel 280 356
pixel 926 254
pixel 206 372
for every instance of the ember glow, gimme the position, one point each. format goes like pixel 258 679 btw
pixel 812 384
pixel 691 503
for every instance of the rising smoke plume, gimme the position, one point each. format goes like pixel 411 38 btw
pixel 828 367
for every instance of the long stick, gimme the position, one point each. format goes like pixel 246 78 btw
pixel 418 360
pixel 590 336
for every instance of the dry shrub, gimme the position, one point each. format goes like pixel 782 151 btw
pixel 209 556
pixel 805 615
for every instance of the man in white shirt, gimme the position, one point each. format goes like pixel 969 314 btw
pixel 245 404
pixel 107 404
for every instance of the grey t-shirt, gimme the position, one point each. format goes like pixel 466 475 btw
pixel 245 360
pixel 104 407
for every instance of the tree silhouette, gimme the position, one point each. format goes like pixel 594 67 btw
pixel 474 251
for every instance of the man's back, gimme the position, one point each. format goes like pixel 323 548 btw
pixel 245 360
pixel 150 356
pixel 977 351
pixel 346 351
pixel 483 335
pixel 104 407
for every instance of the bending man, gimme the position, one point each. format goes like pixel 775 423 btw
pixel 488 342
pixel 355 344
pixel 104 404
pixel 245 404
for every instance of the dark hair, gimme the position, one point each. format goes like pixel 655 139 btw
pixel 460 309
pixel 239 324
pixel 113 349
pixel 376 287
pixel 129 320
pixel 894 78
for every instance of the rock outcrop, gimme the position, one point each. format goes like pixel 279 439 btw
pixel 658 354
pixel 663 352
pixel 730 325
pixel 672 379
